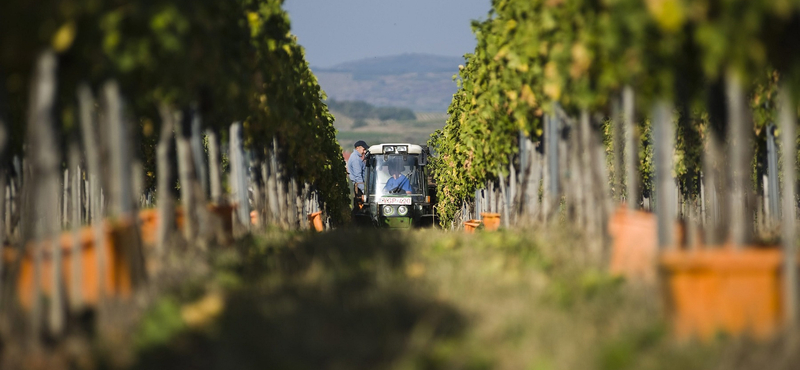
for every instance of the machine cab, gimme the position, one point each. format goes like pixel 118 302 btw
pixel 396 185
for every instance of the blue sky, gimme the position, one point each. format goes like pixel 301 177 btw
pixel 336 31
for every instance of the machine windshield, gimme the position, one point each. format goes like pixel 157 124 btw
pixel 395 175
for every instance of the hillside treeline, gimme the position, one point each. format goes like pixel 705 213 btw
pixel 361 110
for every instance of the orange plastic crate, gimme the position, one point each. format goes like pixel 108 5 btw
pixel 471 225
pixel 491 221
pixel 116 274
pixel 724 290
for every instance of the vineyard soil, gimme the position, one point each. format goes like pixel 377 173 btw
pixel 422 299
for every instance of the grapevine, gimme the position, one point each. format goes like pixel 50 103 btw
pixel 234 60
pixel 579 54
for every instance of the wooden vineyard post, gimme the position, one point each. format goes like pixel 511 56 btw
pixel 306 205
pixel 703 199
pixel 255 185
pixel 88 131
pixel 488 195
pixel 540 182
pixel 691 230
pixel 512 202
pixel 578 191
pixel 119 189
pixel 7 206
pixel 524 156
pixel 663 133
pixel 485 205
pixel 504 195
pixel 20 210
pixel 299 217
pixel 45 177
pixel 197 152
pixel 618 145
pixel 266 213
pixel 477 201
pixel 574 186
pixel 631 149
pixel 602 202
pixel 315 201
pixel 534 183
pixel 739 155
pixel 788 125
pixel 26 222
pixel 121 199
pixel 166 205
pixel 492 197
pixel 87 204
pixel 551 151
pixel 586 185
pixel 76 296
pixel 272 187
pixel 287 205
pixel 711 174
pixel 562 124
pixel 678 200
pixel 270 210
pixel 213 166
pixel 187 175
pixel 291 204
pixel 772 175
pixel 64 204
pixel 239 184
pixel 545 160
pixel 478 204
pixel 762 204
pixel 529 171
pixel 280 184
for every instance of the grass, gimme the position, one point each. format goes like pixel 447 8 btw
pixel 424 299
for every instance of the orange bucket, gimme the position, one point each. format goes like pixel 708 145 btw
pixel 471 225
pixel 491 221
pixel 724 290
pixel 315 221
pixel 148 227
pixel 634 251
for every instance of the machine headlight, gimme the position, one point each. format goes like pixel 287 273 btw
pixel 388 210
pixel 402 210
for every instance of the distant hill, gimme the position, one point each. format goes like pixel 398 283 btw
pixel 421 82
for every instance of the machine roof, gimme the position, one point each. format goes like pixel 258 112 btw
pixel 412 148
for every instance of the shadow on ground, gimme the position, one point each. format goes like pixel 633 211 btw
pixel 339 300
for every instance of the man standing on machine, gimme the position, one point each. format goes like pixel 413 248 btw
pixel 356 167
